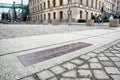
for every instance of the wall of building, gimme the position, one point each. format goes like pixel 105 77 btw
pixel 81 9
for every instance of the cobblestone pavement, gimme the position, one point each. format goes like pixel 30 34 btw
pixel 12 31
pixel 100 64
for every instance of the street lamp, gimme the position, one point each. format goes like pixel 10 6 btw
pixel 22 8
pixel 70 12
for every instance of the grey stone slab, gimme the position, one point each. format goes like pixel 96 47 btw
pixel 112 70
pixel 66 79
pixel 69 65
pixel 77 61
pixel 117 55
pixel 54 78
pixel 57 69
pixel 99 74
pixel 45 74
pixel 103 58
pixel 85 66
pixel 95 65
pixel 85 57
pixel 115 77
pixel 114 58
pixel 28 78
pixel 101 55
pixel 115 51
pixel 107 63
pixel 109 54
pixel 117 63
pixel 91 54
pixel 93 60
pixel 83 79
pixel 70 74
pixel 85 73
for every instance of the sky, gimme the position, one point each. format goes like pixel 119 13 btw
pixel 11 2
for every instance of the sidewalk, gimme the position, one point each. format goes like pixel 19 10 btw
pixel 96 53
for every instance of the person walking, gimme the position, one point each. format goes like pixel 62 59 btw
pixel 111 18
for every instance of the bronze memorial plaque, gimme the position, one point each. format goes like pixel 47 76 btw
pixel 36 57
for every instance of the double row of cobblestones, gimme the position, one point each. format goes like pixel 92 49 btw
pixel 100 64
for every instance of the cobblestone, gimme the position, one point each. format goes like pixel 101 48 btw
pixel 45 75
pixel 95 65
pixel 28 78
pixel 112 70
pixel 99 74
pixel 115 77
pixel 69 66
pixel 57 70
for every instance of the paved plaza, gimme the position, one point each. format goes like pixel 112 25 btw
pixel 59 52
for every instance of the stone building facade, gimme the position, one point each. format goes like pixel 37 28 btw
pixel 41 10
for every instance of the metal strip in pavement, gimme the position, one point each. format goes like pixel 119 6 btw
pixel 36 57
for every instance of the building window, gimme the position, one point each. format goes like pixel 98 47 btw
pixel 80 14
pixel 86 2
pixel 96 4
pixel 86 15
pixel 44 6
pixel 54 15
pixel 61 15
pixel 80 2
pixel 44 16
pixel 41 17
pixel 61 2
pixel 92 3
pixel 41 6
pixel 48 4
pixel 54 3
pixel 99 4
pixel 48 16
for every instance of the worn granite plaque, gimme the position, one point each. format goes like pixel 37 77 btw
pixel 36 57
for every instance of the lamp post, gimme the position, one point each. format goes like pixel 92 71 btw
pixel 22 8
pixel 70 12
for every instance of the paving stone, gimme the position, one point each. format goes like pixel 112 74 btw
pixel 83 79
pixel 114 58
pixel 103 58
pixel 101 55
pixel 115 51
pixel 66 79
pixel 85 57
pixel 115 77
pixel 45 75
pixel 70 74
pixel 93 60
pixel 77 61
pixel 91 54
pixel 84 73
pixel 69 65
pixel 85 66
pixel 28 78
pixel 57 69
pixel 96 51
pixel 99 74
pixel 117 55
pixel 117 63
pixel 95 65
pixel 109 54
pixel 107 63
pixel 116 48
pixel 112 70
pixel 54 78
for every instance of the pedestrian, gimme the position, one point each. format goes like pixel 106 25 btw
pixel 111 18
pixel 99 19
